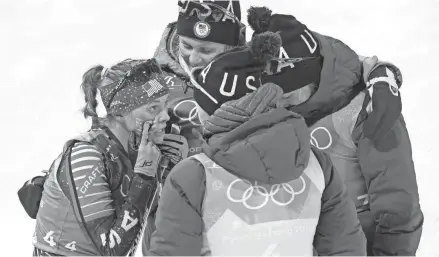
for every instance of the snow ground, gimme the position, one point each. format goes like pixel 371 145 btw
pixel 48 44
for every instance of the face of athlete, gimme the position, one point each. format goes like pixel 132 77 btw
pixel 155 112
pixel 197 53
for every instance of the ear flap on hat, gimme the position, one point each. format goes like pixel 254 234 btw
pixel 259 18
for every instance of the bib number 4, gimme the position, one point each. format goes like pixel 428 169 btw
pixel 48 238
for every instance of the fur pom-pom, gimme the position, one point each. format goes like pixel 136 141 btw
pixel 265 46
pixel 259 18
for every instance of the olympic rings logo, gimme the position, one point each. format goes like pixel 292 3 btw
pixel 262 191
pixel 314 141
pixel 192 114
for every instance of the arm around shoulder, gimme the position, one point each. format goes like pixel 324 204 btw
pixel 389 171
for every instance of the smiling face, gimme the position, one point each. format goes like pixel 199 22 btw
pixel 154 112
pixel 197 53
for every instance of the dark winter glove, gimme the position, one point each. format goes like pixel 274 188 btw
pixel 383 81
pixel 133 147
pixel 30 195
pixel 175 148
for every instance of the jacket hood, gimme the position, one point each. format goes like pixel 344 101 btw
pixel 167 53
pixel 340 81
pixel 253 140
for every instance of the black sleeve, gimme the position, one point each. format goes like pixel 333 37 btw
pixel 179 223
pixel 338 232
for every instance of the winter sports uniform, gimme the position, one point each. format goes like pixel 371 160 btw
pixel 258 188
pixel 194 215
pixel 341 75
pixel 97 194
pixel 182 110
pixel 224 16
pixel 382 183
pixel 111 197
pixel 379 174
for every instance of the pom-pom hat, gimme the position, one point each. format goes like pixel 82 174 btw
pixel 299 62
pixel 233 74
pixel 213 21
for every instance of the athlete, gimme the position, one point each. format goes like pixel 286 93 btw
pixel 99 189
pixel 362 131
pixel 204 30
pixel 258 188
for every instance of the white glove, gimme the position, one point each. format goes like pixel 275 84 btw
pixel 148 156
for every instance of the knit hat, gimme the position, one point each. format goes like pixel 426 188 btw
pixel 299 62
pixel 141 85
pixel 213 21
pixel 235 73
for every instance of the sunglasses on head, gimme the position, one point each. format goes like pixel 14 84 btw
pixel 207 11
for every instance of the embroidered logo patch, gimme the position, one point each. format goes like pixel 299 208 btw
pixel 202 29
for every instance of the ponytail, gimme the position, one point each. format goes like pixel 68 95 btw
pixel 90 83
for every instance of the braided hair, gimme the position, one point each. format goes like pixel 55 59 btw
pixel 96 77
